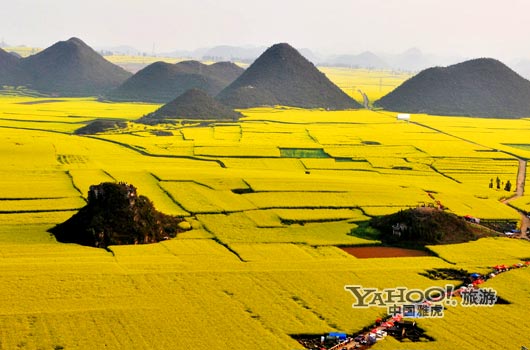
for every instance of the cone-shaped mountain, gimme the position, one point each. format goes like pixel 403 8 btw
pixel 9 71
pixel 161 81
pixel 282 76
pixel 71 68
pixel 193 104
pixel 481 87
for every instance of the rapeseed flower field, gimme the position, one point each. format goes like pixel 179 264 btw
pixel 270 199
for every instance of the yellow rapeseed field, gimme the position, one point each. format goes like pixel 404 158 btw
pixel 270 198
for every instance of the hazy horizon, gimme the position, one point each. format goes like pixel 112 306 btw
pixel 450 28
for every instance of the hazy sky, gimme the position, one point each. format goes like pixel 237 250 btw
pixel 498 29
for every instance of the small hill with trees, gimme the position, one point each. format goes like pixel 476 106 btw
pixel 70 68
pixel 481 87
pixel 100 125
pixel 282 76
pixel 116 214
pixel 423 226
pixel 160 82
pixel 193 104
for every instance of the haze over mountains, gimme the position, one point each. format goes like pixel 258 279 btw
pixel 281 75
pixel 481 87
pixel 162 82
pixel 412 59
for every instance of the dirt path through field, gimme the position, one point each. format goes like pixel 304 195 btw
pixel 521 176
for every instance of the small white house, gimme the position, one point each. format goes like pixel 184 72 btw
pixel 403 116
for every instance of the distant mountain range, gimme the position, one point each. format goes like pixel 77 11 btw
pixel 410 60
pixel 413 59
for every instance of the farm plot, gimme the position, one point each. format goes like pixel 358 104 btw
pixel 470 204
pixel 153 145
pixel 196 198
pixel 337 164
pixel 383 195
pixel 41 205
pixel 239 228
pixel 27 184
pixel 522 203
pixel 473 254
pixel 150 187
pixel 478 171
pixel 315 215
pixel 495 134
pixel 287 252
pixel 236 151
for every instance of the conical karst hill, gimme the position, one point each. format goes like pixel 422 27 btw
pixel 481 87
pixel 193 104
pixel 10 73
pixel 160 82
pixel 71 68
pixel 282 76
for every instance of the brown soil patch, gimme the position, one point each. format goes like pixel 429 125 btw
pixel 383 252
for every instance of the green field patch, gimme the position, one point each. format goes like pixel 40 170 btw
pixel 338 164
pixel 303 153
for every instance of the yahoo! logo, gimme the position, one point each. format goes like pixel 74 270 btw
pixel 368 297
